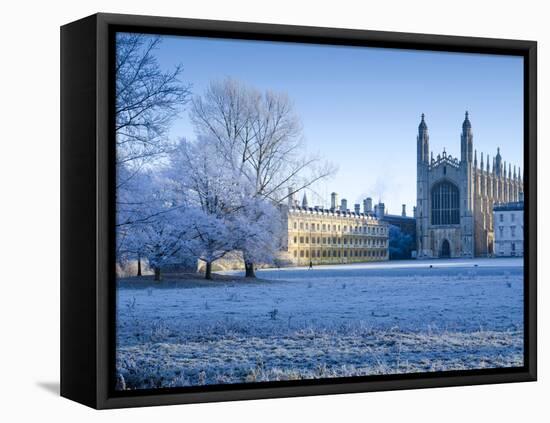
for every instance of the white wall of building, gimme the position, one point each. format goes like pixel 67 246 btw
pixel 508 225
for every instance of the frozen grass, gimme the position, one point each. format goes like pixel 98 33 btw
pixel 327 322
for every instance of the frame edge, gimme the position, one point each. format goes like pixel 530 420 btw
pixel 78 168
pixel 101 139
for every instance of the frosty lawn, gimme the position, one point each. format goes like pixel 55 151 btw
pixel 332 321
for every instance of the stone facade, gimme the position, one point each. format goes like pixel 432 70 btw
pixel 455 197
pixel 332 236
pixel 508 218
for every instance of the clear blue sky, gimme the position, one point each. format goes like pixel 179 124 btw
pixel 360 107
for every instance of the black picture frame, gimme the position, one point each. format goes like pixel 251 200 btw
pixel 87 209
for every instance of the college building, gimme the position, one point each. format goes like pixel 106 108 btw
pixel 455 197
pixel 335 235
pixel 508 218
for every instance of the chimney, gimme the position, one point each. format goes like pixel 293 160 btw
pixel 334 201
pixel 404 210
pixel 344 204
pixel 367 205
pixel 357 208
pixel 380 210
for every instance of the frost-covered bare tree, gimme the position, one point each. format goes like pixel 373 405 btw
pixel 262 135
pixel 160 241
pixel 144 205
pixel 258 230
pixel 148 98
pixel 157 231
pixel 224 115
pixel 213 192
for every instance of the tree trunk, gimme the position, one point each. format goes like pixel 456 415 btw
pixel 208 271
pixel 249 269
pixel 139 265
pixel 157 274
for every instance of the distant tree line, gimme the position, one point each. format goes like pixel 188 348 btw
pixel 401 244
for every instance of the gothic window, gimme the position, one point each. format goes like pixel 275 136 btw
pixel 445 204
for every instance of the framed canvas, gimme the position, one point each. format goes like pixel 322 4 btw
pixel 258 211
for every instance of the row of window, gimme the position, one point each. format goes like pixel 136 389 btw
pixel 513 248
pixel 512 217
pixel 345 241
pixel 340 253
pixel 512 231
pixel 354 229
